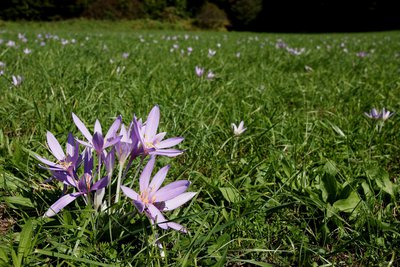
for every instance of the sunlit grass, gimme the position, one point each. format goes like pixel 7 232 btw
pixel 311 180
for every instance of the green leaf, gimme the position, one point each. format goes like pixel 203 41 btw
pixel 381 178
pixel 18 200
pixel 329 188
pixel 25 240
pixel 4 260
pixel 348 204
pixel 230 194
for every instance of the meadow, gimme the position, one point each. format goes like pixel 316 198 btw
pixel 311 181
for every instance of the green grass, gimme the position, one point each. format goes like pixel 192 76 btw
pixel 310 182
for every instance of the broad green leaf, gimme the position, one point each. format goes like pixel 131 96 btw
pixel 4 260
pixel 230 194
pixel 348 204
pixel 25 240
pixel 330 187
pixel 18 200
pixel 385 184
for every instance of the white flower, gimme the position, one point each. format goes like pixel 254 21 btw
pixel 238 130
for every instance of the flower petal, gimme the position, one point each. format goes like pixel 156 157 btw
pixel 103 182
pixel 171 190
pixel 61 203
pixel 82 127
pixel 157 216
pixel 72 146
pixel 139 205
pixel 113 128
pixel 146 173
pixel 48 162
pixel 179 200
pixel 152 123
pixel 166 152
pixel 97 127
pixel 177 226
pixel 170 142
pixel 159 178
pixel 55 147
pixel 129 192
pixel 98 142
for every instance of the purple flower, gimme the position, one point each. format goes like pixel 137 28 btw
pixel 16 80
pixel 211 53
pixel 210 75
pixel 65 162
pixel 238 130
pixel 199 71
pixel 153 200
pixel 84 186
pixel 97 141
pixel 151 142
pixel 125 55
pixel 127 145
pixel 362 54
pixel 375 114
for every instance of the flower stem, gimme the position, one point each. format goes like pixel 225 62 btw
pixel 119 181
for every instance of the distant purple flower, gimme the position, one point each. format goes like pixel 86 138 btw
pixel 16 80
pixel 27 51
pixel 153 200
pixel 2 64
pixel 125 55
pixel 375 114
pixel 199 71
pixel 362 54
pixel 189 50
pixel 238 54
pixel 211 53
pixel 238 130
pixel 210 75
pixel 84 186
pixel 152 143
pixel 11 44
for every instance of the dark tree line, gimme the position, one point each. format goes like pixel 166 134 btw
pixel 254 15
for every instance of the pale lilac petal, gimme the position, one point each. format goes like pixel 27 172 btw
pixel 159 137
pixel 170 142
pixel 171 190
pixel 179 200
pixel 85 143
pixel 159 178
pixel 241 124
pixel 48 162
pixel 109 143
pixel 177 226
pixel 82 127
pixel 61 203
pixel 157 216
pixel 129 192
pixel 103 182
pixel 55 147
pixel 113 128
pixel 166 152
pixel 97 127
pixel 152 123
pixel 146 173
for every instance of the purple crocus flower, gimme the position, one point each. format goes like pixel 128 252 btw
pixel 84 186
pixel 65 162
pixel 97 141
pixel 199 71
pixel 16 80
pixel 153 200
pixel 373 114
pixel 129 142
pixel 150 142
pixel 210 75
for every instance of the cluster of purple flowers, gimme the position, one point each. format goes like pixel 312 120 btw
pixel 98 157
